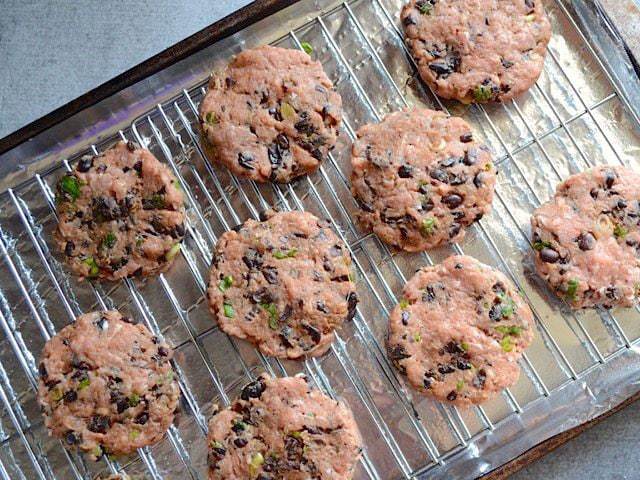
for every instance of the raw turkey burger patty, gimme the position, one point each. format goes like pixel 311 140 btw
pixel 106 385
pixel 282 429
pixel 459 330
pixel 477 50
pixel 420 178
pixel 587 238
pixel 284 284
pixel 271 115
pixel 120 214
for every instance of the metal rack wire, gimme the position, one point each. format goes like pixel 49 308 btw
pixel 415 435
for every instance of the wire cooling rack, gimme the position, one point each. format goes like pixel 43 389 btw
pixel 572 118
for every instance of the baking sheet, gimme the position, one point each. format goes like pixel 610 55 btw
pixel 580 365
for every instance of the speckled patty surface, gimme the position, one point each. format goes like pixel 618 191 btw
pixel 587 238
pixel 282 429
pixel 106 385
pixel 284 284
pixel 272 115
pixel 477 50
pixel 459 330
pixel 120 214
pixel 420 178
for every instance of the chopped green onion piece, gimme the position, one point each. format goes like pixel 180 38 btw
pixel 464 346
pixel 425 7
pixel 229 312
pixel 210 118
pixel 56 394
pixel 417 337
pixel 156 202
pixel 171 254
pixel 404 303
pixel 134 399
pixel 216 444
pixel 93 266
pixel 109 240
pixel 240 425
pixel 97 451
pixel 287 111
pixel 256 462
pixel 288 254
pixel 538 246
pixel 70 185
pixel 506 344
pixel 428 226
pixel 84 383
pixel 139 240
pixel 482 93
pixel 134 434
pixel 273 314
pixel 296 434
pixel 488 166
pixel 306 46
pixel 509 330
pixel 225 283
pixel 620 231
pixel 572 289
pixel 459 385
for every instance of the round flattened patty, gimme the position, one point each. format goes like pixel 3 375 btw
pixel 587 238
pixel 106 385
pixel 282 429
pixel 477 50
pixel 120 214
pixel 459 330
pixel 420 178
pixel 272 115
pixel 284 284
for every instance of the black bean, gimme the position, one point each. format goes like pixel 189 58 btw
pixel 506 63
pixel 453 348
pixel 427 204
pixel 610 178
pixel 621 204
pixel 260 296
pixel 408 20
pixel 85 164
pixel 131 146
pixel 586 241
pixel 470 157
pixel 452 396
pixel 79 364
pixel 253 390
pixel 335 250
pixel 130 320
pixel 423 188
pixel 429 294
pixel 70 396
pixel 446 369
pixel 480 378
pixel 240 442
pixel 102 324
pixel 142 418
pixel 427 382
pixel 70 438
pixel 98 424
pixel 122 404
pixel 42 370
pixel 398 352
pixel 320 306
pixel 440 175
pixel 495 313
pixel 405 317
pixel 466 137
pixel 270 274
pixel 352 302
pixel 549 255
pixel 530 3
pixel 452 200
pixel 478 180
pixel 449 162
pixel 245 160
pixel 275 113
pixel 314 333
pixel 252 259
pixel 457 179
pixel 405 171
pixel 163 352
pixel 463 364
pixel 454 229
pixel 283 141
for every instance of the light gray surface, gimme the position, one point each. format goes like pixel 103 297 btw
pixel 53 51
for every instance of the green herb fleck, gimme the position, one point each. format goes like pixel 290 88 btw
pixel 173 251
pixel 506 344
pixel 482 93
pixel 459 385
pixel 428 226
pixel 256 462
pixel 229 312
pixel 288 254
pixel 70 185
pixel 417 337
pixel 134 400
pixel 56 395
pixel 273 314
pixel 539 245
pixel 109 240
pixel 464 346
pixel 84 383
pixel 210 118
pixel 296 434
pixel 404 303
pixel 239 425
pixel 225 283
pixel 93 266
pixel 620 231
pixel 425 7
pixel 306 46
pixel 572 289
pixel 134 434
pixel 509 330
